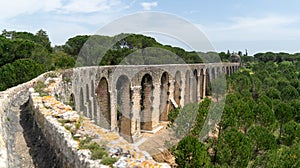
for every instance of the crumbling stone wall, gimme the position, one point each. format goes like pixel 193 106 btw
pixel 6 99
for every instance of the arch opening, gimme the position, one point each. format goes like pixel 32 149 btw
pixel 72 101
pixel 164 97
pixel 146 102
pixel 104 103
pixel 202 84
pixel 195 86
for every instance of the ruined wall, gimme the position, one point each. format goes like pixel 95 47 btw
pixel 6 99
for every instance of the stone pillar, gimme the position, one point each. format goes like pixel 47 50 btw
pixel 182 92
pixel 204 82
pixel 192 89
pixel 155 105
pixel 113 109
pixel 171 93
pixel 198 87
pixel 135 110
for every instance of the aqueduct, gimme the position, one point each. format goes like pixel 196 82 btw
pixel 135 98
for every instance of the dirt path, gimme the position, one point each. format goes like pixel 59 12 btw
pixel 27 145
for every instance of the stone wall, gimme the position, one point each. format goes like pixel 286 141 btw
pixel 6 99
pixel 50 115
pixel 96 91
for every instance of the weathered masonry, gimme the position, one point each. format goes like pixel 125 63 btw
pixel 135 98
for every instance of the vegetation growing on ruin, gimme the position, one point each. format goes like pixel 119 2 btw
pixel 97 151
pixel 39 88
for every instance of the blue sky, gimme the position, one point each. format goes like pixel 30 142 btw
pixel 255 25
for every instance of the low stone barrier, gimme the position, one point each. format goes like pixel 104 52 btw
pixel 6 99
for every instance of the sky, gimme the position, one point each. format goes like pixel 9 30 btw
pixel 235 25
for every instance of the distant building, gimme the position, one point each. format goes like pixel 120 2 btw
pixel 235 58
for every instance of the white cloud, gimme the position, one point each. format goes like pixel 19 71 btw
pixel 269 33
pixel 260 23
pixel 148 5
pixel 12 8
pixel 90 6
pixel 254 28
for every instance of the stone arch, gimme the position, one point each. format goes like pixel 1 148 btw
pixel 195 86
pixel 146 102
pixel 218 71
pixel 213 73
pixel 164 97
pixel 81 101
pixel 123 114
pixel 187 88
pixel 227 71
pixel 223 70
pixel 104 102
pixel 177 88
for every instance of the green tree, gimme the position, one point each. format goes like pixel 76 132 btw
pixel 282 157
pixel 291 132
pixel 295 104
pixel 245 115
pixel 289 93
pixel 273 93
pixel 234 149
pixel 191 153
pixel 43 39
pixel 74 44
pixel 241 83
pixel 264 115
pixel 256 88
pixel 261 139
pixel 18 72
pixel 283 113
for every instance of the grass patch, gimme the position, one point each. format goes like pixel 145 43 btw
pixel 108 161
pixel 52 75
pixel 63 121
pixel 39 88
pixel 68 127
pixel 84 143
pixel 79 122
pixel 97 151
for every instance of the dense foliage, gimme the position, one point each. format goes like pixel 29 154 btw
pixel 24 56
pixel 260 125
pixel 260 118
